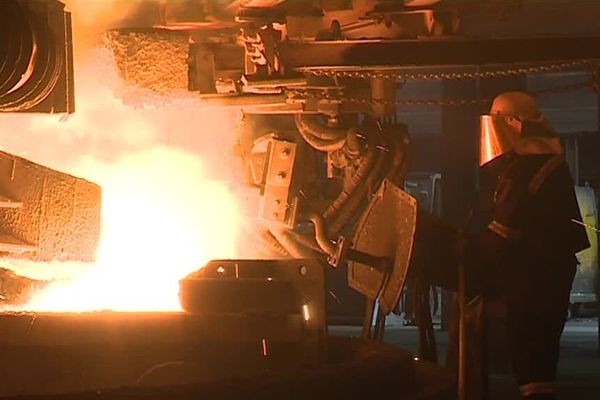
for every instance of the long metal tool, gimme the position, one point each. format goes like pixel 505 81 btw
pixel 462 332
pixel 463 381
pixel 588 226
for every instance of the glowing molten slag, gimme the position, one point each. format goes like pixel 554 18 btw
pixel 162 218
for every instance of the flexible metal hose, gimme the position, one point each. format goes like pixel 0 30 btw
pixel 353 144
pixel 427 343
pixel 372 181
pixel 318 136
pixel 311 125
pixel 397 159
pixel 364 169
pixel 321 233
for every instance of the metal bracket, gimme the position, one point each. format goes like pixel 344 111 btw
pixel 278 201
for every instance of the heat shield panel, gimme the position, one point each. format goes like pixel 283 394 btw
pixel 386 229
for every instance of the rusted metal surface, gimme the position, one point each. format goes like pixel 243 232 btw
pixel 59 218
pixel 294 288
pixel 152 59
pixel 385 230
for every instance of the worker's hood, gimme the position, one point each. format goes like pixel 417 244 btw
pixel 538 137
pixel 497 138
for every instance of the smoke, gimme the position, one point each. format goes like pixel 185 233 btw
pixel 105 126
pixel 113 119
pixel 90 18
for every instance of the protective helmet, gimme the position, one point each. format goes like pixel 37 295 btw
pixel 515 123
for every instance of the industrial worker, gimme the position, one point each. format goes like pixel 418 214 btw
pixel 526 253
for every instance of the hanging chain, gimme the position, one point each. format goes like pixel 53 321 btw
pixel 299 94
pixel 392 73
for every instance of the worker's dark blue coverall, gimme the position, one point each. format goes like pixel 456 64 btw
pixel 526 255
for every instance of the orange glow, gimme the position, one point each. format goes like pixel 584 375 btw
pixel 168 179
pixel 488 147
pixel 496 138
pixel 161 220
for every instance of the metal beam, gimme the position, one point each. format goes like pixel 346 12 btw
pixel 438 51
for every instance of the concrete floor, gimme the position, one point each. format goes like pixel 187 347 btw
pixel 579 367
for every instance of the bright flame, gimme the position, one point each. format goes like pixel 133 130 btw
pixel 162 218
pixel 166 211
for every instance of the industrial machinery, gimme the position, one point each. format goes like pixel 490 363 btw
pixel 319 83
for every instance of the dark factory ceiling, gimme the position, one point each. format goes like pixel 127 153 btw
pixel 478 17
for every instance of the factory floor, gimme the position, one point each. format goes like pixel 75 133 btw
pixel 579 367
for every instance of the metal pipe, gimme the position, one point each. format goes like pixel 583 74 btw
pixel 311 125
pixel 373 179
pixel 383 95
pixel 397 161
pixel 383 264
pixel 462 309
pixel 364 169
pixel 462 332
pixel 368 321
pixel 379 324
pixel 252 101
pixel 353 146
pixel 320 137
pixel 321 234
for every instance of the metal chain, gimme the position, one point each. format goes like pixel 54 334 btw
pixel 303 94
pixel 438 76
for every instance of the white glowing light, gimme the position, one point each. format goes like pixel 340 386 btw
pixel 306 312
